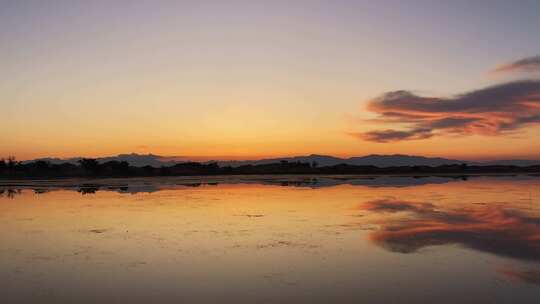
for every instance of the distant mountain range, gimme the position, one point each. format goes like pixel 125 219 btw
pixel 382 161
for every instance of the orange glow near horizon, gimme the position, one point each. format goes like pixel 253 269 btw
pixel 223 81
pixel 342 145
pixel 475 149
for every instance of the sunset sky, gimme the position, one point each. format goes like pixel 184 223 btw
pixel 248 79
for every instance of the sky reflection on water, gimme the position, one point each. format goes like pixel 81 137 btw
pixel 272 241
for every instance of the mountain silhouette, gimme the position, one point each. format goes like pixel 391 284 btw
pixel 381 161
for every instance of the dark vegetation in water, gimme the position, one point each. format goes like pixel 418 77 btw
pixel 87 167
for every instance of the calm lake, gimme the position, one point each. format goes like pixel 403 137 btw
pixel 271 240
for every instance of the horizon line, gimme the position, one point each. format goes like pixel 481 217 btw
pixel 255 158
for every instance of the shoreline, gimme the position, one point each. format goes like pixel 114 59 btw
pixel 157 183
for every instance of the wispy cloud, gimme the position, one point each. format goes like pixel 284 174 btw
pixel 383 136
pixel 529 64
pixel 489 111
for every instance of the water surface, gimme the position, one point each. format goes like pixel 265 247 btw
pixel 271 240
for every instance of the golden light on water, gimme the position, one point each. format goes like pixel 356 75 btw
pixel 253 241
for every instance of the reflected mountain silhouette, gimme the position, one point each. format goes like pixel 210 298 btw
pixel 491 229
pixel 149 185
pixel 87 186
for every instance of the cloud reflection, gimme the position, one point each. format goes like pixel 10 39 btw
pixel 495 230
pixel 522 276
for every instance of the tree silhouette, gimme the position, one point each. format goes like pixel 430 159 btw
pixel 11 162
pixel 90 166
pixel 3 164
pixel 115 168
pixel 42 165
